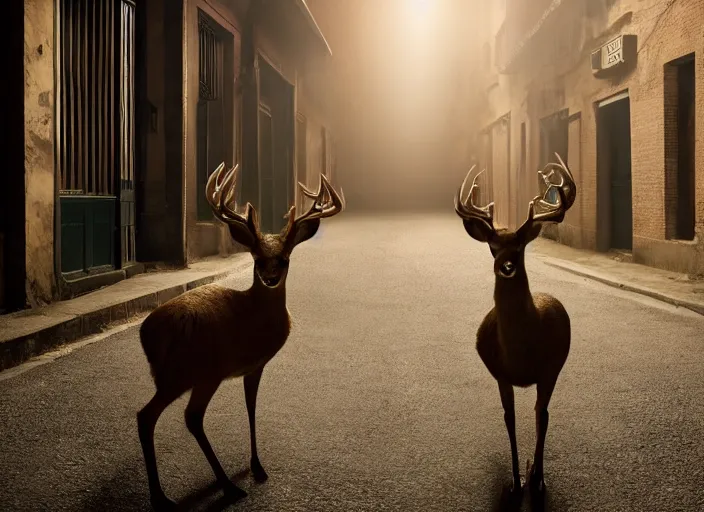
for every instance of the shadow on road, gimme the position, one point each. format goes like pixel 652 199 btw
pixel 127 490
pixel 199 496
pixel 502 500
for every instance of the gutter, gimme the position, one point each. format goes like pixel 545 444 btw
pixel 308 15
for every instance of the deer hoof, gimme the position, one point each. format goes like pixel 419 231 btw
pixel 517 486
pixel 258 472
pixel 233 493
pixel 536 482
pixel 163 504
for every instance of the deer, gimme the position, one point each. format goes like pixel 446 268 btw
pixel 212 333
pixel 524 339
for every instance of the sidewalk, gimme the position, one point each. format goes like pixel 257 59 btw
pixel 30 333
pixel 671 287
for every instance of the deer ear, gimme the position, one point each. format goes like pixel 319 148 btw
pixel 243 236
pixel 478 229
pixel 249 235
pixel 305 230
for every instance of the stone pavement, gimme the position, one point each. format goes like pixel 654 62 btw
pixel 379 401
pixel 30 333
pixel 609 268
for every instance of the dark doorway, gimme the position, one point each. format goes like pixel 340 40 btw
pixel 614 172
pixel 301 155
pixel 276 147
pixel 95 136
pixel 266 168
pixel 521 204
pixel 679 148
pixel 686 145
pixel 12 147
pixel 554 138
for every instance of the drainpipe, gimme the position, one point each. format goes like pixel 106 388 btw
pixel 57 291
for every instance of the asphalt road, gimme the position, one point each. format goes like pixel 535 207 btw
pixel 379 402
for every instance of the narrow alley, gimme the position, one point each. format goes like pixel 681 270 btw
pixel 379 400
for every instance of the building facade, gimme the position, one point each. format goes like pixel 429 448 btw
pixel 127 107
pixel 616 87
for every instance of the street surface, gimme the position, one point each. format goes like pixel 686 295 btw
pixel 379 402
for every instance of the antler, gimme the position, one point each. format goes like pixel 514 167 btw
pixel 305 226
pixel 567 192
pixel 321 208
pixel 467 210
pixel 220 193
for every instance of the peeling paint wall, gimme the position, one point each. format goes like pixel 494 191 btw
pixel 39 151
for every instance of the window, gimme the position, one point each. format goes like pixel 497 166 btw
pixel 679 148
pixel 214 116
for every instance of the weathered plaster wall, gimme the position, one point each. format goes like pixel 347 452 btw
pixel 39 152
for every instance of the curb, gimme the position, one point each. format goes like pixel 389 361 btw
pixel 14 352
pixel 692 306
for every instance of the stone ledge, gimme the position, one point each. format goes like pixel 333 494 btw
pixel 28 334
pixel 692 305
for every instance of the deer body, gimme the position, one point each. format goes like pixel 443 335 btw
pixel 510 349
pixel 198 339
pixel 525 339
pixel 191 328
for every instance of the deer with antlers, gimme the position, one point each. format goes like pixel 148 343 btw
pixel 525 338
pixel 212 333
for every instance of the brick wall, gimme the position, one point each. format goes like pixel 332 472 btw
pixel 666 31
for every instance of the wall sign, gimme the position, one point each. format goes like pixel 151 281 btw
pixel 614 54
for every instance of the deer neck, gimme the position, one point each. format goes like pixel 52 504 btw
pixel 513 300
pixel 270 298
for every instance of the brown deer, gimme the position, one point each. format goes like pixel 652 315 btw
pixel 525 338
pixel 212 333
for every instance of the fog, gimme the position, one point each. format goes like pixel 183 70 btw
pixel 401 97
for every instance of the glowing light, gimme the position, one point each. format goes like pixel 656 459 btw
pixel 420 5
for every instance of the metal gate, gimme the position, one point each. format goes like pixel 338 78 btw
pixel 95 133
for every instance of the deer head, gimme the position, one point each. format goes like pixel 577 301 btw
pixel 508 247
pixel 271 252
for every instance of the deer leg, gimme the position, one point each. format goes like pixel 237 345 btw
pixel 542 417
pixel 146 423
pixel 506 391
pixel 195 412
pixel 251 386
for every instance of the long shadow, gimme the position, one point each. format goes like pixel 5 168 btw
pixel 505 501
pixel 127 491
pixel 199 496
pixel 502 500
pixel 548 502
